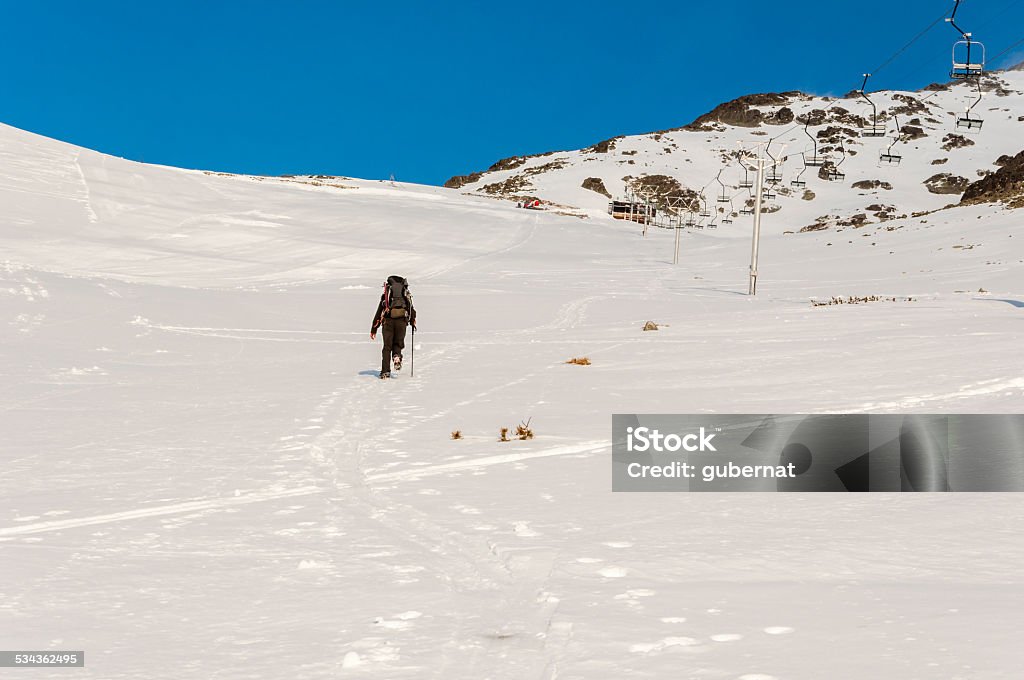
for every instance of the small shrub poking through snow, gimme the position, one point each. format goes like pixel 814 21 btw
pixel 579 361
pixel 456 434
pixel 504 435
pixel 650 326
pixel 856 300
pixel 523 431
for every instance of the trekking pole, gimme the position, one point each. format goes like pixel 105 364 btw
pixel 412 354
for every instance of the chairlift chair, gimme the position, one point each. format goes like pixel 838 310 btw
pixel 773 175
pixel 874 129
pixel 887 157
pixel 967 122
pixel 834 173
pixel 813 160
pixel 704 211
pixel 796 182
pixel 728 216
pixel 723 192
pixel 966 66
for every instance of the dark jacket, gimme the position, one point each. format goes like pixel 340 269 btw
pixel 378 316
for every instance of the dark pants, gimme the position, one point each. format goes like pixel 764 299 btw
pixel 393 331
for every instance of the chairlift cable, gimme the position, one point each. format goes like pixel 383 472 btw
pixel 906 47
pixel 1008 49
pixel 888 61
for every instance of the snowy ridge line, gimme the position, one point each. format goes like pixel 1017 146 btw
pixel 568 450
pixel 159 511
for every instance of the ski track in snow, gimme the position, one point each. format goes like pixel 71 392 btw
pixel 159 511
pixel 985 387
pixel 471 464
pixel 87 194
pixel 213 504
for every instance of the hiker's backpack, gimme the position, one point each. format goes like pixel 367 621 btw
pixel 397 299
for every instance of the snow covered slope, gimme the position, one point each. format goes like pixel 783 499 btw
pixel 694 155
pixel 203 477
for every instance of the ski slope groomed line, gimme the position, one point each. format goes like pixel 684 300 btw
pixel 263 496
pixel 427 471
pixel 160 510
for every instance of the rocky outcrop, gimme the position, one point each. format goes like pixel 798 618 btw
pixel 911 132
pixel 667 189
pixel 596 184
pixel 1004 185
pixel 740 112
pixel 945 183
pixel 870 184
pixel 951 141
pixel 511 186
pixel 910 105
pixel 510 163
pixel 459 181
pixel 603 147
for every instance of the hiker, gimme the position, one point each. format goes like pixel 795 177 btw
pixel 394 313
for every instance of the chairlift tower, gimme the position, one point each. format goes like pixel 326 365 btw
pixel 760 164
pixel 647 210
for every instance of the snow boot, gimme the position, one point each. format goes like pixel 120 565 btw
pixel 397 359
pixel 384 376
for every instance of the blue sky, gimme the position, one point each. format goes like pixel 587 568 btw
pixel 428 90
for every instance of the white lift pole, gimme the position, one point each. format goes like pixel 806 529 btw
pixel 758 163
pixel 679 228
